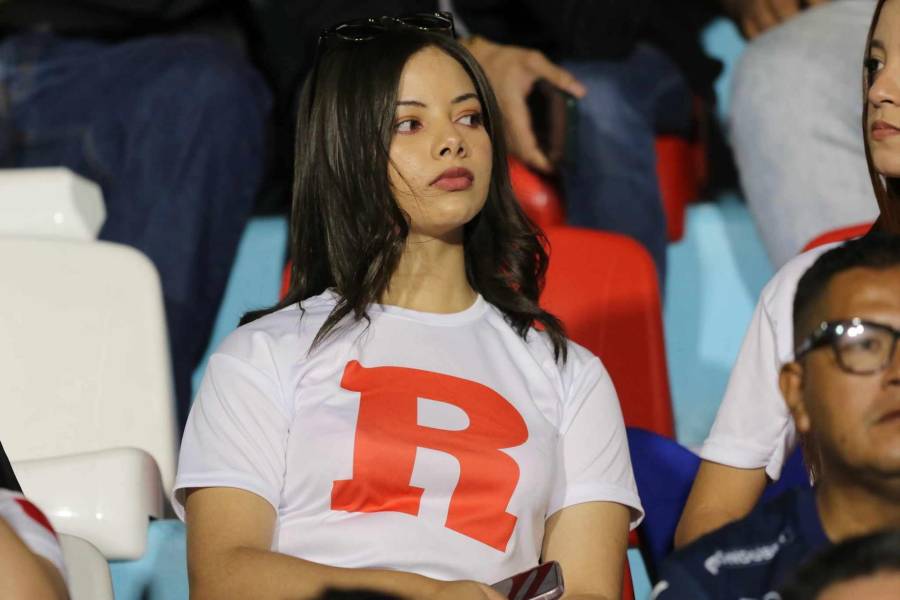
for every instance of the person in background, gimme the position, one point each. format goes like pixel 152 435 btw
pixel 794 118
pixel 157 103
pixel 843 392
pixel 863 567
pixel 753 433
pixel 31 561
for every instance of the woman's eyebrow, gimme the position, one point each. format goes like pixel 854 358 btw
pixel 877 44
pixel 457 100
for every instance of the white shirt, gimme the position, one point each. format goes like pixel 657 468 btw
pixel 32 527
pixel 753 427
pixel 432 443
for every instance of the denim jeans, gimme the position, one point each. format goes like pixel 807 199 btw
pixel 612 184
pixel 173 130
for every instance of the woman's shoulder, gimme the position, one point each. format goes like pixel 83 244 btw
pixel 287 330
pixel 779 292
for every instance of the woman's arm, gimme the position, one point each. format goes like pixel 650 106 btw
pixel 589 541
pixel 720 494
pixel 229 535
pixel 25 575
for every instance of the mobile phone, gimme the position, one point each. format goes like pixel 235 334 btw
pixel 554 117
pixel 543 582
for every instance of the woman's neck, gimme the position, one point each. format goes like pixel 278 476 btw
pixel 431 277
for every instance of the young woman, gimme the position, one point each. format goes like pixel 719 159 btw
pixel 753 432
pixel 398 423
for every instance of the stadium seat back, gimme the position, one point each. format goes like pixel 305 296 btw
pixel 84 359
pixel 604 288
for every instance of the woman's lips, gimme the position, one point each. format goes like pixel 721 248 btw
pixel 882 130
pixel 455 179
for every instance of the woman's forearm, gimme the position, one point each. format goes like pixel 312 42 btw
pixel 253 573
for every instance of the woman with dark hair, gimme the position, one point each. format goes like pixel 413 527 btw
pixel 753 433
pixel 408 420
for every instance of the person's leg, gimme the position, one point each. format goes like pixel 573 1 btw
pixel 611 184
pixel 795 125
pixel 173 129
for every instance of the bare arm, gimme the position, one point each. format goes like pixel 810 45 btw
pixel 229 533
pixel 589 541
pixel 25 575
pixel 756 16
pixel 720 495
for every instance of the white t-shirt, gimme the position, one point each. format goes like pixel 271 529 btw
pixel 32 527
pixel 753 427
pixel 432 443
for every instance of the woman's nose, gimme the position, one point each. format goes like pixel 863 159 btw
pixel 886 87
pixel 451 144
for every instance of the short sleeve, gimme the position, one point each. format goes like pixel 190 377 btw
pixel 237 430
pixel 753 427
pixel 593 447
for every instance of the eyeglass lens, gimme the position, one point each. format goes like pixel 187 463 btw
pixel 864 348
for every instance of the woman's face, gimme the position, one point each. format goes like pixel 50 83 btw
pixel 440 152
pixel 883 69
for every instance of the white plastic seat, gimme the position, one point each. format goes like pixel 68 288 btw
pixel 84 367
pixel 87 570
pixel 49 202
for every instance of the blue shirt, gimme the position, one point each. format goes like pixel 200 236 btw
pixel 748 559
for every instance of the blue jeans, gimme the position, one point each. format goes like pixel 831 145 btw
pixel 612 183
pixel 173 130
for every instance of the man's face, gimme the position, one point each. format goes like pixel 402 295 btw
pixel 853 420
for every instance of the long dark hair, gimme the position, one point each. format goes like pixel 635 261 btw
pixel 347 231
pixel 887 189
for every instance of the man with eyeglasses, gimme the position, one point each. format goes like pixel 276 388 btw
pixel 843 391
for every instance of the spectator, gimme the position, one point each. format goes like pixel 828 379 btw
pixel 635 65
pixel 31 562
pixel 843 392
pixel 863 567
pixel 397 423
pixel 155 103
pixel 753 433
pixel 794 118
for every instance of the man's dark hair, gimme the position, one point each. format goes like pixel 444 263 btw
pixel 851 559
pixel 347 231
pixel 875 250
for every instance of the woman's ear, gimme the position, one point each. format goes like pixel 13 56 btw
pixel 790 380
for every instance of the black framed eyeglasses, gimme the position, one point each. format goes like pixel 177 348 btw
pixel 861 347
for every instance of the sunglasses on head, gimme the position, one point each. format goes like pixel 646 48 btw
pixel 362 30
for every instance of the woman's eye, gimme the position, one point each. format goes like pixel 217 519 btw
pixel 471 119
pixel 872 67
pixel 407 126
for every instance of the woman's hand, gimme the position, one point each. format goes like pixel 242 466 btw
pixel 465 590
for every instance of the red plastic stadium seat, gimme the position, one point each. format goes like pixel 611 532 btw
pixel 604 288
pixel 838 235
pixel 537 194
pixel 680 168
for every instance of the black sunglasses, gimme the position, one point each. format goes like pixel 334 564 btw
pixel 363 30
pixel 860 347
